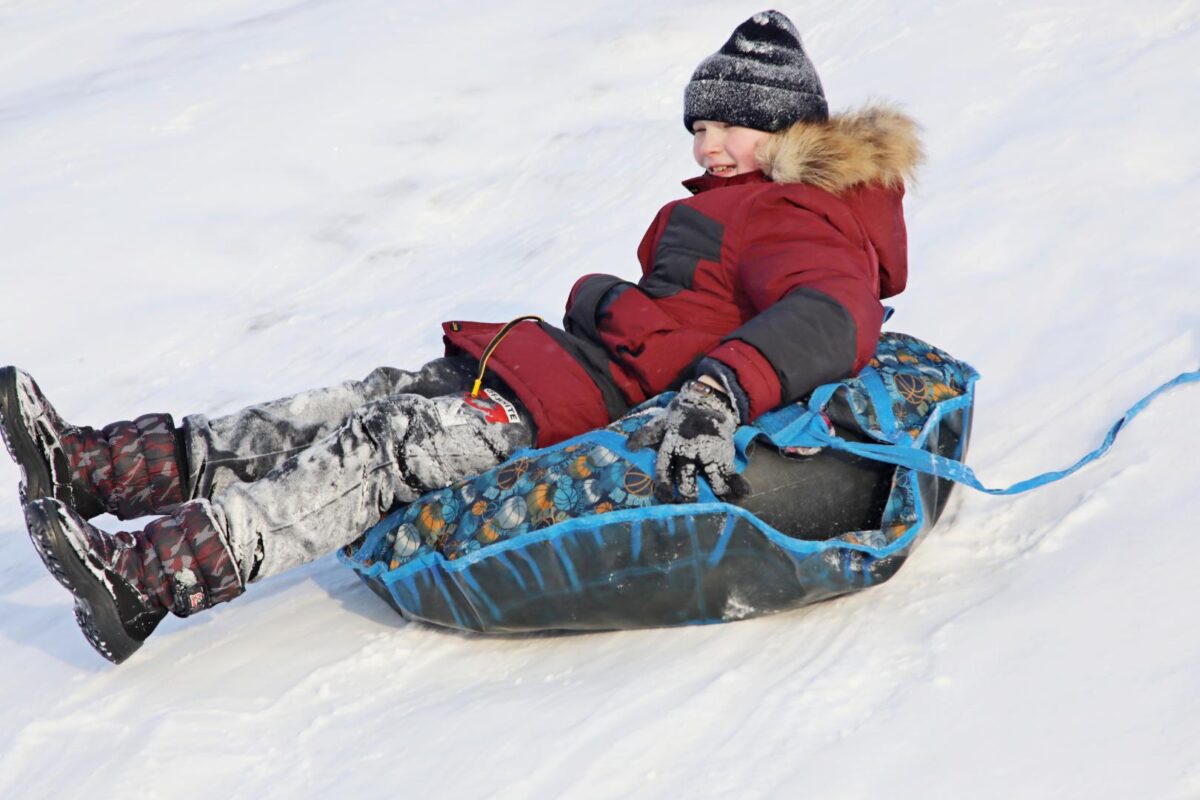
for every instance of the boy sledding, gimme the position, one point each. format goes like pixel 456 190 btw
pixel 762 285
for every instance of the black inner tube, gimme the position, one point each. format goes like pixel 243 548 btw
pixel 816 497
pixel 824 495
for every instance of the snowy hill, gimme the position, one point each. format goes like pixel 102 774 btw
pixel 208 204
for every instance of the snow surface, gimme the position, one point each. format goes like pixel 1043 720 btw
pixel 204 204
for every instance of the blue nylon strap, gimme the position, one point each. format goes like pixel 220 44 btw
pixel 821 396
pixel 882 400
pixel 782 426
pixel 942 467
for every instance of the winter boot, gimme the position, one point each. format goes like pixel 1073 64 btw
pixel 125 583
pixel 129 469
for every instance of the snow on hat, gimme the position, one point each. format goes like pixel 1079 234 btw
pixel 761 78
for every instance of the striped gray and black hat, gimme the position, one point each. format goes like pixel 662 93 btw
pixel 761 78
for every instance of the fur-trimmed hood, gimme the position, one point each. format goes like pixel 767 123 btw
pixel 876 144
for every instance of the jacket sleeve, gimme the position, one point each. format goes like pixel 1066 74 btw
pixel 593 294
pixel 650 346
pixel 590 296
pixel 818 314
pixel 653 347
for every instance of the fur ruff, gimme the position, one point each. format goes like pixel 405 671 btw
pixel 877 144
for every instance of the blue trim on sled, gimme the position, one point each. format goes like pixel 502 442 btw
pixel 687 547
pixel 790 426
pixel 671 512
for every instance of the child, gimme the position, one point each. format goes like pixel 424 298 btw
pixel 761 286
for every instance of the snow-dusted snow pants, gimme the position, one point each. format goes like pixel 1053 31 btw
pixel 293 479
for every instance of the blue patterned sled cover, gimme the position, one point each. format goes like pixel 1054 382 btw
pixel 570 537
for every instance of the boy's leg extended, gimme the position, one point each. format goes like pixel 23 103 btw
pixel 245 446
pixel 148 466
pixel 318 499
pixel 206 551
pixel 388 452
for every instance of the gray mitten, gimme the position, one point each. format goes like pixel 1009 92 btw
pixel 695 436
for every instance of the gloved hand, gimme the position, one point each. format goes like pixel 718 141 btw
pixel 695 436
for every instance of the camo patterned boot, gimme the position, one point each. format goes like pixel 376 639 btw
pixel 129 469
pixel 125 583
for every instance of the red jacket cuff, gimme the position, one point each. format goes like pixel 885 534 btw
pixel 754 373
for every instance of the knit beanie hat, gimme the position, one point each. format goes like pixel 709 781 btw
pixel 761 78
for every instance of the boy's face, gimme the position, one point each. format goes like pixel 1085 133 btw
pixel 726 150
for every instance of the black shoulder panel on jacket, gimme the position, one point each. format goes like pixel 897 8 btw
pixel 808 337
pixel 688 237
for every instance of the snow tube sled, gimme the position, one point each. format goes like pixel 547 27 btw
pixel 570 537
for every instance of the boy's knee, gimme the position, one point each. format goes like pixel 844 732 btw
pixel 387 419
pixel 381 382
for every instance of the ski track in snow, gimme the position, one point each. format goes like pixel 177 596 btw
pixel 204 205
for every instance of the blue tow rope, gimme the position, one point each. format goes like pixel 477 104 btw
pixel 942 467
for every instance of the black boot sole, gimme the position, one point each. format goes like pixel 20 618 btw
pixel 22 448
pixel 98 608
pixel 38 481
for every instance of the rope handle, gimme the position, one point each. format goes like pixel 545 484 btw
pixel 494 343
pixel 942 467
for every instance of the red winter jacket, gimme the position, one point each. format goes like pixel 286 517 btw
pixel 775 281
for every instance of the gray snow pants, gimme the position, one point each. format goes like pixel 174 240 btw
pixel 293 479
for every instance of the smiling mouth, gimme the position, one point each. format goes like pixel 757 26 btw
pixel 722 169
